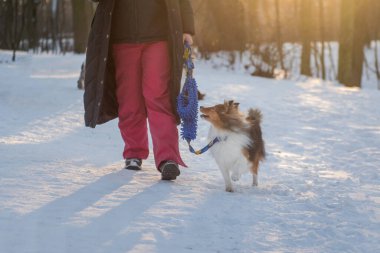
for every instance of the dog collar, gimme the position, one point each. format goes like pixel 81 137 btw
pixel 206 148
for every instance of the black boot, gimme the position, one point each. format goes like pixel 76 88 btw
pixel 169 170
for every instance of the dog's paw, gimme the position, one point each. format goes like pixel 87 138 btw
pixel 255 180
pixel 235 177
pixel 229 189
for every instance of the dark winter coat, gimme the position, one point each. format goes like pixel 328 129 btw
pixel 133 19
pixel 100 97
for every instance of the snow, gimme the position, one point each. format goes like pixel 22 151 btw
pixel 63 189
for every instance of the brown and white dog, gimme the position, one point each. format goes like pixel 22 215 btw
pixel 241 148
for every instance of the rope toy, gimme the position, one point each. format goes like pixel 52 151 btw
pixel 187 101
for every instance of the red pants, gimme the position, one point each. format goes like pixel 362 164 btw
pixel 142 89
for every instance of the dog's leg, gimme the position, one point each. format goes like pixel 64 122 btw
pixel 227 179
pixel 255 180
pixel 235 176
pixel 254 170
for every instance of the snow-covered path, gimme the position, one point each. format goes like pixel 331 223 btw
pixel 62 188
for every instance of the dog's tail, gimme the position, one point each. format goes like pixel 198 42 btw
pixel 254 116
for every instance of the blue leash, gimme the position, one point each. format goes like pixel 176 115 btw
pixel 187 105
pixel 206 148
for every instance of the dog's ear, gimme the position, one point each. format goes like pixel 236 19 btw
pixel 226 105
pixel 231 106
pixel 231 103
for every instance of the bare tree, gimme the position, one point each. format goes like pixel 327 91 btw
pixel 31 23
pixel 82 16
pixel 17 10
pixel 352 42
pixel 279 36
pixel 305 27
pixel 322 34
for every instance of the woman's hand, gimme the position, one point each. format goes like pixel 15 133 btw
pixel 188 38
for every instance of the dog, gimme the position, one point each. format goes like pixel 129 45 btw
pixel 241 147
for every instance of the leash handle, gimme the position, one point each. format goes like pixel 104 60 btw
pixel 188 60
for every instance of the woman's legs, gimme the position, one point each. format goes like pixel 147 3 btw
pixel 142 80
pixel 132 112
pixel 155 81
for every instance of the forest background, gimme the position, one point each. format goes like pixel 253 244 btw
pixel 327 39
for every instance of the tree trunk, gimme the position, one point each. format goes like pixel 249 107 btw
pixel 279 37
pixel 14 31
pixel 322 31
pixel 377 65
pixel 54 24
pixel 32 24
pixel 252 22
pixel 331 57
pixel 82 16
pixel 306 29
pixel 352 41
pixel 316 59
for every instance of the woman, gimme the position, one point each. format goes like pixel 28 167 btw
pixel 133 71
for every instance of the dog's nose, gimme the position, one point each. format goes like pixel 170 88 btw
pixel 201 107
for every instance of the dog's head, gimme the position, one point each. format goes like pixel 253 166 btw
pixel 223 116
